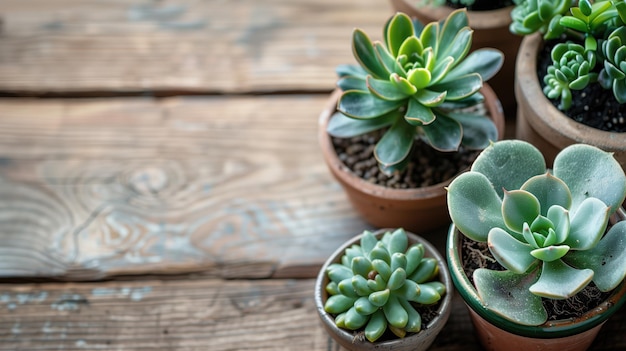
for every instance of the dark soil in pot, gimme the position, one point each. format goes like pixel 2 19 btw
pixel 426 167
pixel 593 106
pixel 476 255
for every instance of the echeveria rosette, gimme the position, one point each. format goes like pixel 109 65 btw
pixel 412 83
pixel 613 74
pixel 530 16
pixel 547 229
pixel 571 69
pixel 375 286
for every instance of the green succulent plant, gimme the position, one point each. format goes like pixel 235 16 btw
pixel 378 283
pixel 595 27
pixel 546 228
pixel 413 84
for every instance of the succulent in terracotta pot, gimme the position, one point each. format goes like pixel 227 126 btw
pixel 413 84
pixel 371 291
pixel 547 229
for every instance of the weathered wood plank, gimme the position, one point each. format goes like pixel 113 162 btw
pixel 205 314
pixel 173 46
pixel 226 186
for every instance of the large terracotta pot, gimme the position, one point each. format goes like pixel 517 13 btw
pixel 498 334
pixel 419 210
pixel 415 342
pixel 542 124
pixel 491 29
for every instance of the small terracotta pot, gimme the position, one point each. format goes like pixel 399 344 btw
pixel 542 124
pixel 414 342
pixel 491 29
pixel 498 334
pixel 419 210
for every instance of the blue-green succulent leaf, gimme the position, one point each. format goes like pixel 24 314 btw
pixel 460 88
pixel 383 269
pixel 366 56
pixel 559 216
pixel 425 271
pixel 474 205
pixel 478 130
pixel 398 30
pixel 414 256
pixel 430 98
pixel 509 163
pixel 414 324
pixel 608 272
pixel 395 145
pixel 486 62
pixel 577 165
pixel 588 224
pixel 354 320
pixel 338 272
pixel 352 83
pixel 519 207
pixel 549 190
pixel 428 295
pixel 510 252
pixel 507 294
pixel 363 105
pixel 560 281
pixel 444 134
pixel 418 114
pixel 361 266
pixel 380 298
pixel 550 253
pixel 398 241
pixel 342 126
pixel 356 71
pixel 376 327
pixel 395 313
pixel 364 306
pixel 384 89
pixel 338 303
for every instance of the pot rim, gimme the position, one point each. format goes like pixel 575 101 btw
pixel 527 88
pixel 548 330
pixel 443 313
pixel 340 170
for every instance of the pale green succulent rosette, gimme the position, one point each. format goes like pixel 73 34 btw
pixel 378 284
pixel 547 229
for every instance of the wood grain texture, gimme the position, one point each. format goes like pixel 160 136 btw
pixel 227 186
pixel 179 46
pixel 204 314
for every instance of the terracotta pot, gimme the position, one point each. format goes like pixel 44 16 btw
pixel 491 29
pixel 498 334
pixel 414 342
pixel 419 210
pixel 542 124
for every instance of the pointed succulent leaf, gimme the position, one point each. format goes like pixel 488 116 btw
pixel 351 83
pixel 380 298
pixel 458 47
pixel 363 105
pixel 359 283
pixel 414 256
pixel 397 279
pixel 444 134
pixel 376 326
pixel 619 90
pixel 345 288
pixel 398 260
pixel 588 224
pixel 383 269
pixel 574 23
pixel 550 253
pixel 455 23
pixel 395 145
pixel 387 60
pixel 486 62
pixel 430 98
pixel 429 36
pixel 549 190
pixel 368 241
pixel 418 114
pixel 439 286
pixel 560 281
pixel 530 237
pixel 412 45
pixel 509 252
pixel 409 290
pixel 342 126
pixel 361 266
pixel 338 272
pixel 460 88
pixel 425 271
pixel 376 284
pixel 380 252
pixel 441 70
pixel 578 163
pixel 474 205
pixel 364 53
pixel 384 89
pixel 414 323
pixel 395 313
pixel 607 259
pixel 346 70
pixel 332 288
pixel 519 207
pixel 398 241
pixel 509 163
pixel 559 216
pixel 402 84
pixel 397 31
pixel 506 294
pixel 478 130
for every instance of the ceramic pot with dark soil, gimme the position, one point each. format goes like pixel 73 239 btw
pixel 420 210
pixel 414 341
pixel 498 334
pixel 491 29
pixel 542 124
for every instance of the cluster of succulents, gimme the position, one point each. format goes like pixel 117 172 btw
pixel 413 84
pixel 547 229
pixel 378 283
pixel 594 48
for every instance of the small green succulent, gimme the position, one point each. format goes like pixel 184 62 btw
pixel 546 228
pixel 414 84
pixel 378 282
pixel 593 32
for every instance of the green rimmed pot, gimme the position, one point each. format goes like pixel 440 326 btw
pixel 412 342
pixel 498 334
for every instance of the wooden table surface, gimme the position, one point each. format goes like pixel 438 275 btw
pixel 161 185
